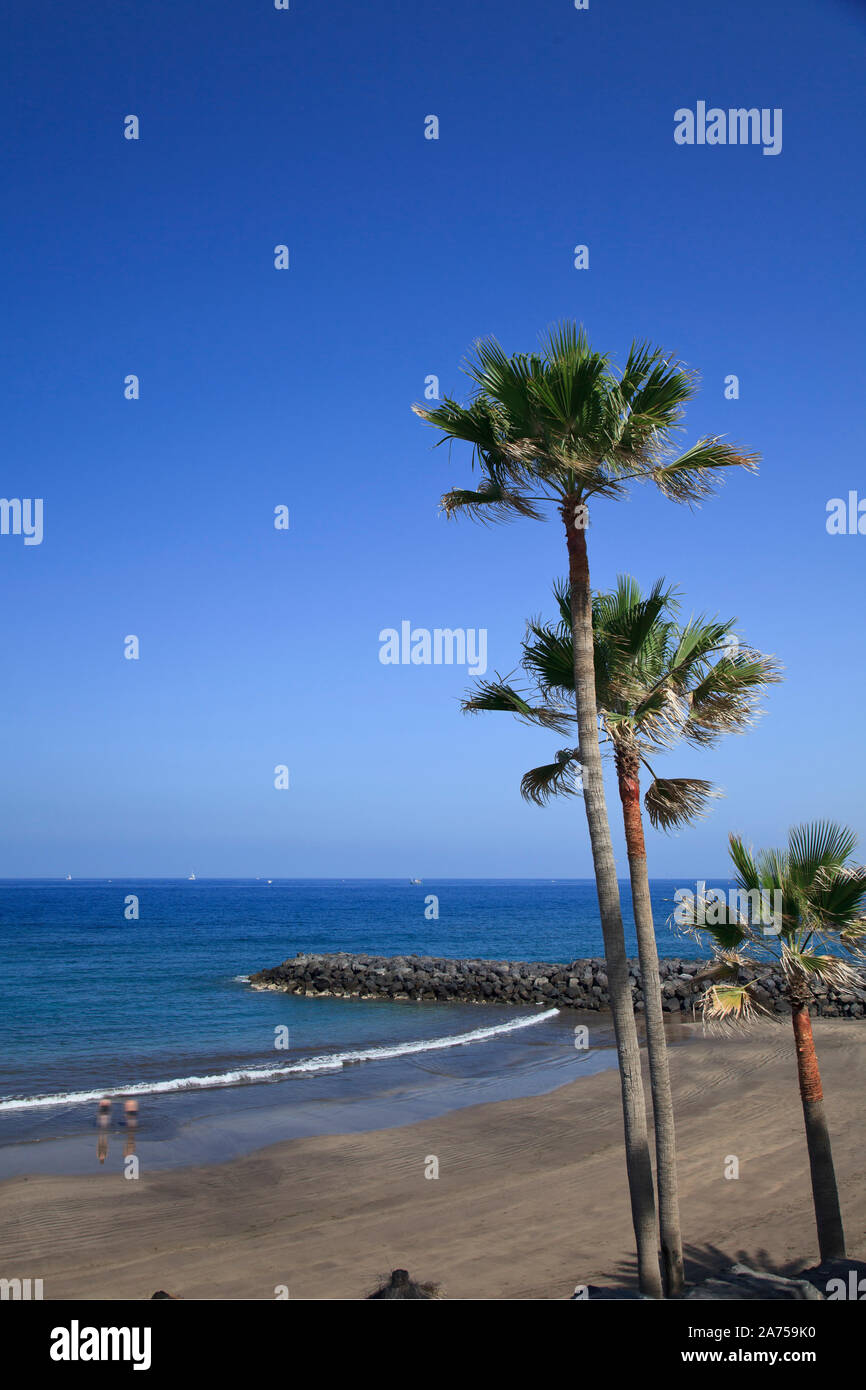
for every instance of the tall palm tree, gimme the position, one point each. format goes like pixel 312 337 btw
pixel 814 930
pixel 656 683
pixel 556 429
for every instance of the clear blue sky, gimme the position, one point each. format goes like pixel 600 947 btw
pixel 261 387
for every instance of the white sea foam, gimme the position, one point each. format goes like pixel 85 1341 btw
pixel 332 1061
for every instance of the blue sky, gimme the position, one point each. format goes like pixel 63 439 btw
pixel 262 387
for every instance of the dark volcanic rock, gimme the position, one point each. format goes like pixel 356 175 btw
pixel 580 984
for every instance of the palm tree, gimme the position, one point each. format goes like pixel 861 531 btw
pixel 557 428
pixel 816 931
pixel 656 683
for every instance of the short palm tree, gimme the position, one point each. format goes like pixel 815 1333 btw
pixel 557 429
pixel 814 930
pixel 656 683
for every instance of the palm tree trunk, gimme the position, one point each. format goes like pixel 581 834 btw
pixel 825 1194
pixel 628 777
pixel 637 1154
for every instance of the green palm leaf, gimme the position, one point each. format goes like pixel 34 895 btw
pixel 821 845
pixel 647 670
pixel 563 423
pixel 492 501
pixel 818 905
pixel 696 473
pixel 498 696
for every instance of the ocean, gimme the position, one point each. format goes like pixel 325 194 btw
pixel 96 1003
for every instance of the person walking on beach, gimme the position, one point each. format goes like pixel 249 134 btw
pixel 130 1115
pixel 103 1119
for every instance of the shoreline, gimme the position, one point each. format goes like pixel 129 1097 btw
pixel 519 1055
pixel 531 1197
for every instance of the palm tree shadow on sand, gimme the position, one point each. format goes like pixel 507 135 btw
pixel 701 1262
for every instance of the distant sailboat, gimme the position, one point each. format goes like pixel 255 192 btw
pixel 415 880
pixel 191 878
pixel 68 878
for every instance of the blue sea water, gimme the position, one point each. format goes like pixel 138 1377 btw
pixel 93 1003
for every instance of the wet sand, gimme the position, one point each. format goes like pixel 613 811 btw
pixel 530 1200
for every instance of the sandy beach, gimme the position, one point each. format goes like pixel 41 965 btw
pixel 530 1199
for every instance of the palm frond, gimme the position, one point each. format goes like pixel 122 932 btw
pixel 562 595
pixel 479 423
pixel 852 937
pixel 726 699
pixel 506 381
pixel 492 501
pixel 731 1005
pixel 837 899
pixel 498 696
pixel 674 801
pixel 727 932
pixel 541 784
pixel 652 391
pixel 549 658
pixel 817 926
pixel 696 474
pixel 564 422
pixel 818 845
pixel 805 966
pixel 748 875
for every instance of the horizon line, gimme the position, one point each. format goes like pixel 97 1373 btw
pixel 346 878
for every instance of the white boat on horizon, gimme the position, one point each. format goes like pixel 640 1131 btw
pixel 191 878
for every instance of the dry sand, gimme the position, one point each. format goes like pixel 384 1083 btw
pixel 531 1197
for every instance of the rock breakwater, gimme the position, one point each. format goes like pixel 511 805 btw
pixel 580 984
